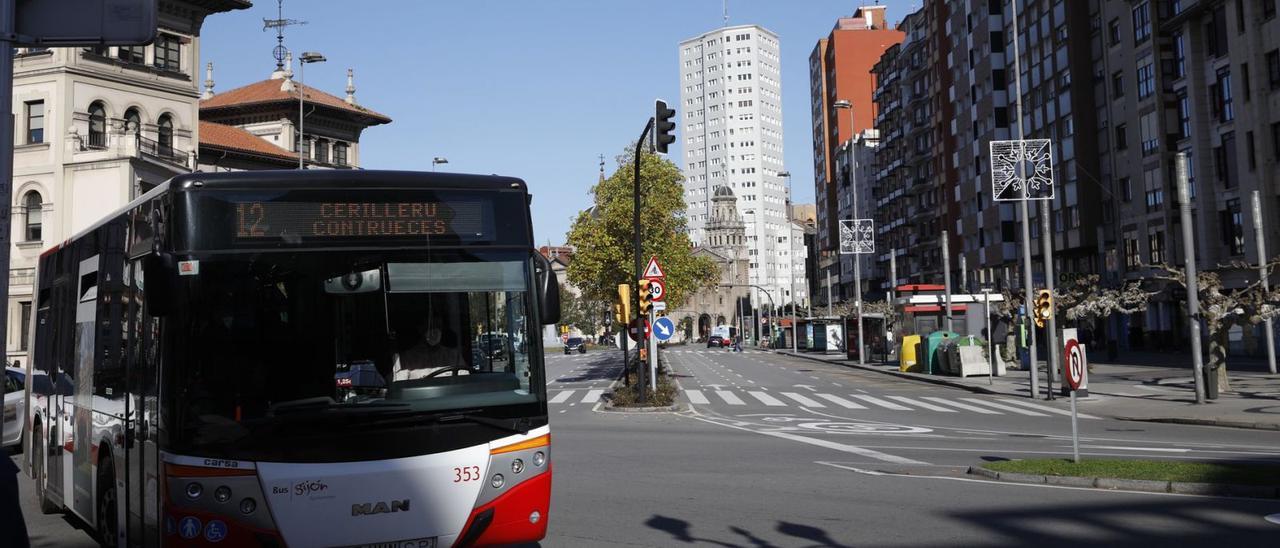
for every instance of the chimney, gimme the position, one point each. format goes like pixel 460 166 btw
pixel 351 87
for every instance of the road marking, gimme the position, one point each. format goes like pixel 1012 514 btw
pixel 1003 407
pixel 966 407
pixel 767 399
pixel 1047 409
pixel 840 401
pixel 729 397
pixel 823 443
pixel 592 395
pixel 803 400
pixel 925 405
pixel 1122 448
pixel 695 396
pixel 562 396
pixel 881 403
pixel 850 468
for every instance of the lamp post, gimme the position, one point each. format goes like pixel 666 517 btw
pixel 307 57
pixel 766 294
pixel 857 259
pixel 438 160
pixel 791 268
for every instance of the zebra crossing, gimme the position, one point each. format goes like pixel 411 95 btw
pixel 820 400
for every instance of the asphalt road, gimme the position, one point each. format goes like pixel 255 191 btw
pixel 779 451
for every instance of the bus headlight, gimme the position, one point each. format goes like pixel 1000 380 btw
pixel 539 459
pixel 517 466
pixel 498 481
pixel 194 490
pixel 222 494
pixel 247 506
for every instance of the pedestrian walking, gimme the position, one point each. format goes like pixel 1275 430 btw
pixel 13 529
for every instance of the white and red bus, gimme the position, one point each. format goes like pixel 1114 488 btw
pixel 289 358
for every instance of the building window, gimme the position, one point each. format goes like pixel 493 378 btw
pixel 1146 78
pixel 24 309
pixel 1154 190
pixel 1117 85
pixel 1275 140
pixel 1233 227
pixel 1226 112
pixel 132 122
pixel 168 53
pixel 322 151
pixel 1268 9
pixel 35 122
pixel 340 154
pixel 131 54
pixel 1126 189
pixel 1122 137
pixel 164 138
pixel 1227 159
pixel 1184 114
pixel 1244 77
pixel 1251 157
pixel 97 126
pixel 34 205
pixel 1179 55
pixel 1131 257
pixel 1273 68
pixel 1150 134
pixel 1141 23
pixel 1113 32
pixel 1155 247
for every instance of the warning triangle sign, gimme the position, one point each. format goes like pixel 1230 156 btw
pixel 654 270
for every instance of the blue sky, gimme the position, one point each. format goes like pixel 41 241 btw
pixel 532 89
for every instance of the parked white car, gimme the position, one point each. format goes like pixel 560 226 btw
pixel 11 428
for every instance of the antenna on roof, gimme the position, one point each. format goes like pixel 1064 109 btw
pixel 726 12
pixel 279 23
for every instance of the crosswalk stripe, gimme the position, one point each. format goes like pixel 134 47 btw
pixel 729 397
pixel 1047 408
pixel 880 402
pixel 840 401
pixel 1003 407
pixel 695 396
pixel 919 403
pixel 803 400
pixel 767 399
pixel 964 406
pixel 562 397
pixel 592 396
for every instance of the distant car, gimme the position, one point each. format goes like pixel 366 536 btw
pixel 575 343
pixel 14 392
pixel 715 341
pixel 493 346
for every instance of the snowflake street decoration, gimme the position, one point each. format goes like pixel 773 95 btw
pixel 1034 157
pixel 857 236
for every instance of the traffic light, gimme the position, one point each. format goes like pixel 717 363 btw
pixel 646 302
pixel 1043 307
pixel 618 317
pixel 663 127
pixel 624 303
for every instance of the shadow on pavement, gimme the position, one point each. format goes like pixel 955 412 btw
pixel 601 368
pixel 680 531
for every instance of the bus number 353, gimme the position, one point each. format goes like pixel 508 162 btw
pixel 466 473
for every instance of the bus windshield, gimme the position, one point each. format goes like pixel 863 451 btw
pixel 273 345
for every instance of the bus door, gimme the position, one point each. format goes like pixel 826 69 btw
pixel 142 462
pixel 82 443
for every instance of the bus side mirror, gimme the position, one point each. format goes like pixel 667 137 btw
pixel 549 289
pixel 160 289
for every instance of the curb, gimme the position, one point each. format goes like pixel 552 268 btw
pixel 608 406
pixel 1146 486
pixel 1205 422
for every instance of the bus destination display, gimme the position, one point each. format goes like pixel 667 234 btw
pixel 257 220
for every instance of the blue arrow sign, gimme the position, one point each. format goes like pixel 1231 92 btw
pixel 663 329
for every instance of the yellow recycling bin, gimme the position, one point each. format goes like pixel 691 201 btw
pixel 907 356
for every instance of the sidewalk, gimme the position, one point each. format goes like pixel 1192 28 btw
pixel 1145 388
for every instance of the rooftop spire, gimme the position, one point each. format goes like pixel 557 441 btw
pixel 286 74
pixel 279 23
pixel 351 87
pixel 208 81
pixel 602 168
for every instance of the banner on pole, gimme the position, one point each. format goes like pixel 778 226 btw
pixel 1022 168
pixel 857 236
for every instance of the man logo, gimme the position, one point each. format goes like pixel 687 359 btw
pixel 370 508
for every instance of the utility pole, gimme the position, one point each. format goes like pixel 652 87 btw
pixel 1051 327
pixel 1193 283
pixel 1028 278
pixel 946 278
pixel 1260 235
pixel 635 226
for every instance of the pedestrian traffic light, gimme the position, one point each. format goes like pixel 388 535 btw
pixel 645 300
pixel 1043 307
pixel 618 316
pixel 624 303
pixel 663 127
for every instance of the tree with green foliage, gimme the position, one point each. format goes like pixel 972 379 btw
pixel 602 235
pixel 580 312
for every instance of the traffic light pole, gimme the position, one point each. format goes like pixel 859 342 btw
pixel 635 226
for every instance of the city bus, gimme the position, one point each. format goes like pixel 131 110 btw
pixel 288 358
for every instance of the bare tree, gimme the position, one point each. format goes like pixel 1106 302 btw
pixel 1223 307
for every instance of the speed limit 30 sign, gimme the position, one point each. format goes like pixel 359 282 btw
pixel 657 290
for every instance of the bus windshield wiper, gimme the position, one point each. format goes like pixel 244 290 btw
pixel 518 425
pixel 325 403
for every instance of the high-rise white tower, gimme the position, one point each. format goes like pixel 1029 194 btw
pixel 731 128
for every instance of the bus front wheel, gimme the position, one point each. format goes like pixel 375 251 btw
pixel 40 454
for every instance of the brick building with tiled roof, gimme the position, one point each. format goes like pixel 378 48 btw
pixel 256 126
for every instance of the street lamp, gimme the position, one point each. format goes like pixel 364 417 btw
pixel 791 268
pixel 307 57
pixel 857 259
pixel 766 294
pixel 438 160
